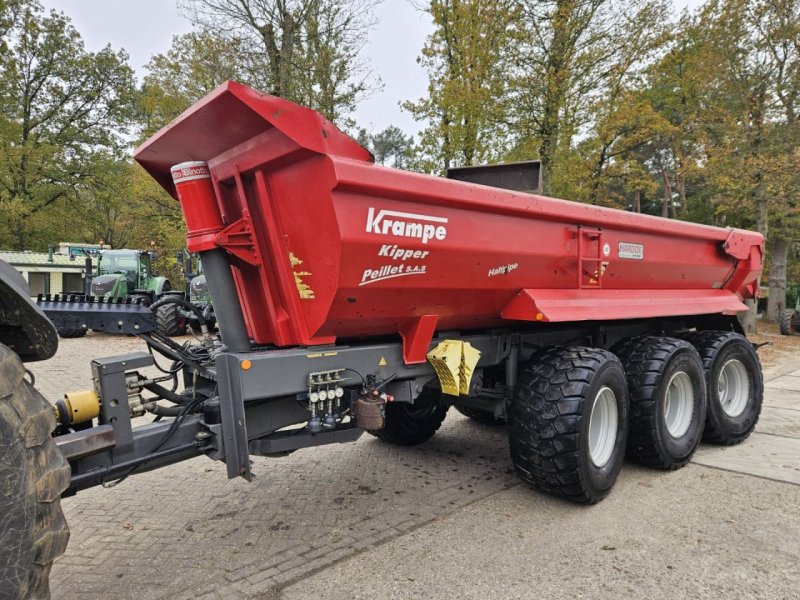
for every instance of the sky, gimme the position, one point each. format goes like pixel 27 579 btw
pixel 146 27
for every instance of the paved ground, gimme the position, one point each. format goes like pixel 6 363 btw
pixel 444 520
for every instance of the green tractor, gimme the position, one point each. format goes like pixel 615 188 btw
pixel 123 276
pixel 197 292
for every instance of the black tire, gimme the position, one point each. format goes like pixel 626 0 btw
pixel 33 474
pixel 170 320
pixel 411 424
pixel 652 365
pixel 717 348
pixel 549 422
pixel 72 333
pixel 785 321
pixel 484 417
pixel 143 299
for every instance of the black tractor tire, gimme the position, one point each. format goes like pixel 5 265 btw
pixel 785 321
pixel 661 399
pixel 730 417
pixel 77 332
pixel 170 320
pixel 484 417
pixel 33 475
pixel 411 424
pixel 551 437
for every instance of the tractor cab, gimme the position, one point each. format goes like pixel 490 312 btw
pixel 124 273
pixel 134 265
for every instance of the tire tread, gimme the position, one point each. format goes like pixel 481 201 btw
pixel 545 420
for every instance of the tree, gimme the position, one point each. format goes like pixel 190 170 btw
pixel 63 113
pixel 306 51
pixel 573 53
pixel 391 143
pixel 195 64
pixel 753 156
pixel 467 60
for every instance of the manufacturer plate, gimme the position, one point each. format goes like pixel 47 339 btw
pixel 630 251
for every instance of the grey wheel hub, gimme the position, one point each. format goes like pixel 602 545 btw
pixel 603 426
pixel 733 387
pixel 679 404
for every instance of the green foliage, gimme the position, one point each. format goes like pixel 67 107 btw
pixel 63 114
pixel 467 60
pixel 391 143
pixel 307 51
pixel 195 64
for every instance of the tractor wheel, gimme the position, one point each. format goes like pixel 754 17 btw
pixel 33 474
pixel 76 332
pixel 734 383
pixel 170 320
pixel 668 400
pixel 568 423
pixel 785 321
pixel 483 417
pixel 411 424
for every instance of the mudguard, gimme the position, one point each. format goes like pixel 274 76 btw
pixel 23 326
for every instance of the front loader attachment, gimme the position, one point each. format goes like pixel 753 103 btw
pixel 75 312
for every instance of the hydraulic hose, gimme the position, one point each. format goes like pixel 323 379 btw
pixel 176 299
pixel 162 411
pixel 166 394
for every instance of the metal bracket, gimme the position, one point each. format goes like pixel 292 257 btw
pixel 237 239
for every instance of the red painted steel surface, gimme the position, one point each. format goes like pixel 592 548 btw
pixel 327 245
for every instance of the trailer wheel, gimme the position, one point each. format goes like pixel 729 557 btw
pixel 668 400
pixel 33 474
pixel 170 320
pixel 480 416
pixel 734 382
pixel 411 424
pixel 568 423
pixel 77 332
pixel 785 321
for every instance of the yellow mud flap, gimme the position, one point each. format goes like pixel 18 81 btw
pixel 454 362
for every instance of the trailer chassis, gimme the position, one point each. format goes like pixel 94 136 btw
pixel 257 402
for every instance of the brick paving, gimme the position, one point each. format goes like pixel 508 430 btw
pixel 186 531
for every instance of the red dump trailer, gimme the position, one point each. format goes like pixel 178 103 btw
pixel 351 297
pixel 326 245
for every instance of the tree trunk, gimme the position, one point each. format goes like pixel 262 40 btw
pixel 749 319
pixel 666 200
pixel 637 201
pixel 779 255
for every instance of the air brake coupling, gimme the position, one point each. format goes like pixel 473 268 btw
pixel 78 407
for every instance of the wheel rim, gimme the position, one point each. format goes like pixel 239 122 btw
pixel 603 424
pixel 679 404
pixel 733 387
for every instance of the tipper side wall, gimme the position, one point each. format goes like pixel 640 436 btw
pixel 327 245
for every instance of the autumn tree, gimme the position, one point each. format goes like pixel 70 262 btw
pixel 573 53
pixel 195 64
pixel 467 62
pixel 63 113
pixel 307 51
pixel 753 160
